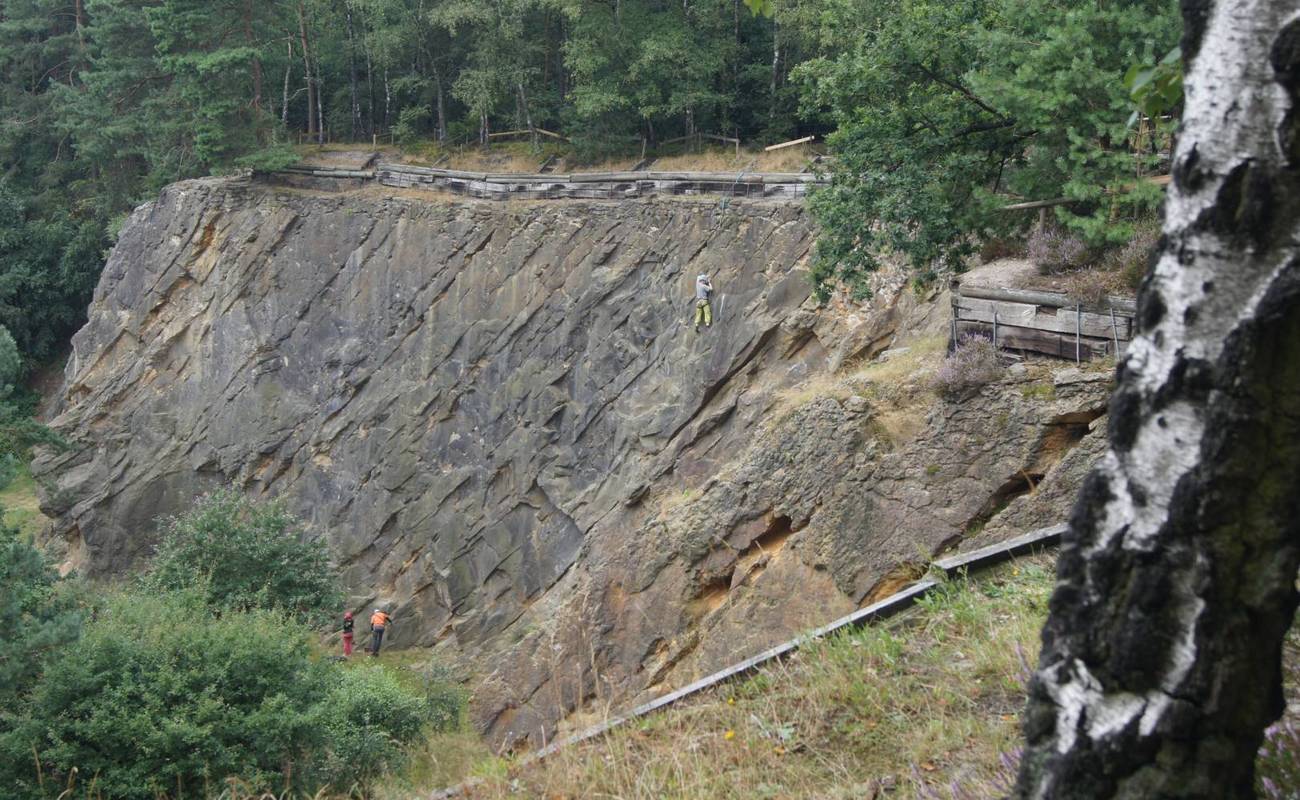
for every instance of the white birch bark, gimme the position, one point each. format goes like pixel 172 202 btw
pixel 1176 583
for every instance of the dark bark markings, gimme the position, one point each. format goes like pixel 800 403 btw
pixel 1161 659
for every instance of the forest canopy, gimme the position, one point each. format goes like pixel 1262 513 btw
pixel 933 110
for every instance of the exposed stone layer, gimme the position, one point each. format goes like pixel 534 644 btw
pixel 502 420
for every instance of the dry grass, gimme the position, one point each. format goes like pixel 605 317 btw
pixel 911 368
pixel 928 700
pixel 21 506
pixel 791 159
pixel 896 385
pixel 521 156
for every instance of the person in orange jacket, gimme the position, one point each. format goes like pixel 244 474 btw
pixel 347 634
pixel 378 622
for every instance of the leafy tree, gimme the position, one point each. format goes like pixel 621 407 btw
pixel 942 106
pixel 241 556
pixel 47 271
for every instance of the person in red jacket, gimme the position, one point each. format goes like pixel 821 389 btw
pixel 378 622
pixel 347 634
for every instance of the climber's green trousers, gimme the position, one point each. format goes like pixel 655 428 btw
pixel 703 313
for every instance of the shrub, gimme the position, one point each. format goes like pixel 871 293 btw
pixel 974 362
pixel 999 247
pixel 1133 259
pixel 1053 250
pixel 444 700
pixel 367 717
pixel 161 698
pixel 158 696
pixel 1092 286
pixel 11 363
pixel 38 619
pixel 410 125
pixel 245 556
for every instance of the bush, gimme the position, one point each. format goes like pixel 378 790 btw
pixel 243 556
pixel 1133 259
pixel 974 362
pixel 1092 287
pixel 367 717
pixel 411 124
pixel 1054 251
pixel 444 700
pixel 38 618
pixel 160 697
pixel 999 247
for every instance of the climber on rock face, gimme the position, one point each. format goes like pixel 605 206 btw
pixel 379 621
pixel 703 310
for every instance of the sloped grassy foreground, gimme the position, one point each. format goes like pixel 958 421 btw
pixel 927 706
pixel 916 707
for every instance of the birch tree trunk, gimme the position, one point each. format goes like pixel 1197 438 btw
pixel 352 72
pixel 1161 658
pixel 441 106
pixel 288 69
pixel 306 67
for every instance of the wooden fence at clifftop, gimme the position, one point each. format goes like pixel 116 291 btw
pixel 539 186
pixel 1043 322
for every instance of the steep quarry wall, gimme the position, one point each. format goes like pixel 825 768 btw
pixel 503 422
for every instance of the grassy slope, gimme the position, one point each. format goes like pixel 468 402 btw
pixel 929 699
pixel 443 758
pixel 20 504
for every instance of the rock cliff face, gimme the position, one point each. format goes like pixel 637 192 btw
pixel 503 422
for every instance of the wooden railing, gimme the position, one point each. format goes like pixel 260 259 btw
pixel 1043 322
pixel 578 185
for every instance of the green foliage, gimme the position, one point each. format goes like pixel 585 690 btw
pixel 159 696
pixel 1156 89
pixel 366 718
pixel 941 107
pixel 11 363
pixel 49 260
pixel 19 432
pixel 38 618
pixel 197 675
pixel 444 699
pixel 241 556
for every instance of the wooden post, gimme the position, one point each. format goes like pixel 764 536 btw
pixel 1114 328
pixel 995 329
pixel 1078 332
pixel 955 286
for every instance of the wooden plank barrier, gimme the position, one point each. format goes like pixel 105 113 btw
pixel 790 143
pixel 1044 322
pixel 588 185
pixel 951 566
